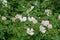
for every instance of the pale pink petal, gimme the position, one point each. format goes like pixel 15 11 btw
pixel 50 26
pixel 18 16
pixel 34 21
pixel 45 22
pixel 4 18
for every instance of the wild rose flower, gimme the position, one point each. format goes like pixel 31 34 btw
pixel 42 29
pixel 48 12
pixel 4 18
pixel 18 16
pixel 30 31
pixel 32 19
pixel 4 2
pixel 49 26
pixel 29 18
pixel 45 22
pixel 13 19
pixel 23 19
pixel 59 16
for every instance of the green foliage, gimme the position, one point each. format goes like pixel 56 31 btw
pixel 17 30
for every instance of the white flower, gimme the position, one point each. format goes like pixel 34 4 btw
pixel 29 10
pixel 23 19
pixel 29 18
pixel 32 7
pixel 48 12
pixel 18 16
pixel 42 29
pixel 49 26
pixel 30 31
pixel 32 19
pixel 45 22
pixel 4 2
pixel 4 18
pixel 13 19
pixel 59 17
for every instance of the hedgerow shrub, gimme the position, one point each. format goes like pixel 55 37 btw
pixel 17 30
